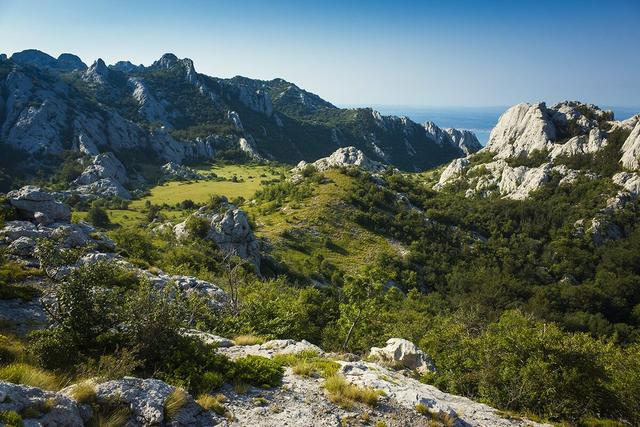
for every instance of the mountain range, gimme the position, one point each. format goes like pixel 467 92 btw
pixel 169 112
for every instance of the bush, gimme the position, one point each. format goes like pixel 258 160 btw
pixel 11 419
pixel 21 373
pixel 123 362
pixel 258 371
pixel 135 243
pixel 98 216
pixel 197 226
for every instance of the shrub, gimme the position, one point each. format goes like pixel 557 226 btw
pixel 121 363
pixel 98 216
pixel 21 373
pixel 135 243
pixel 257 370
pixel 52 348
pixel 175 401
pixel 197 226
pixel 11 419
pixel 345 395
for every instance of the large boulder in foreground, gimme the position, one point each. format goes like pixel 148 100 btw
pixel 36 204
pixel 404 353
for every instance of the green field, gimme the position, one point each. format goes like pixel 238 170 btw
pixel 249 179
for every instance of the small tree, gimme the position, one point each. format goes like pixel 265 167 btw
pixel 98 216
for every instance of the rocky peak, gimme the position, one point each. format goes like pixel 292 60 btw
pixel 35 58
pixel 98 72
pixel 125 67
pixel 70 62
pixel 464 140
pixel 524 128
pixel 166 61
pixel 3 56
pixel 169 61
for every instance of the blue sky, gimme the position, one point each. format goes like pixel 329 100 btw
pixel 446 53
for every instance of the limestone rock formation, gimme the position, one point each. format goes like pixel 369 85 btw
pixel 230 230
pixel 104 177
pixel 404 353
pixel 146 398
pixel 631 148
pixel 344 157
pixel 176 171
pixel 47 408
pixel 563 131
pixel 32 203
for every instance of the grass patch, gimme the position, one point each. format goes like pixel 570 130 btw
pixel 11 349
pixel 436 418
pixel 175 401
pixel 248 179
pixel 248 340
pixel 213 403
pixel 84 392
pixel 308 364
pixel 345 394
pixel 117 416
pixel 258 371
pixel 21 373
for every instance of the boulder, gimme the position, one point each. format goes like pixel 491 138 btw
pixel 404 353
pixel 34 203
pixel 22 246
pixel 208 338
pixel 270 349
pixel 47 408
pixel 146 399
pixel 177 171
pixel 343 157
pixel 231 231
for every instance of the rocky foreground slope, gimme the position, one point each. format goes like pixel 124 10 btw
pixel 301 400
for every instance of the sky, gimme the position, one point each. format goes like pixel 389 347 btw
pixel 410 53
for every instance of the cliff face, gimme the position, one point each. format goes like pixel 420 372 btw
pixel 532 143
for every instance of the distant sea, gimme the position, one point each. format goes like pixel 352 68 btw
pixel 479 120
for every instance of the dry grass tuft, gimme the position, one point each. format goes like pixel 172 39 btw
pixel 248 340
pixel 21 373
pixel 175 401
pixel 345 394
